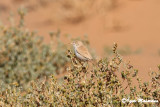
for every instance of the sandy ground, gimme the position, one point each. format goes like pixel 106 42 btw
pixel 130 22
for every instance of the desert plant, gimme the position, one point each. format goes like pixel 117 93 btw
pixel 25 57
pixel 83 86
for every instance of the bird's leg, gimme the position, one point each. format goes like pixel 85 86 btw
pixel 87 65
pixel 80 62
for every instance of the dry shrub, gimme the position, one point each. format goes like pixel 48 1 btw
pixel 24 56
pixel 98 86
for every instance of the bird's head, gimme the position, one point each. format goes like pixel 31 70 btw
pixel 77 43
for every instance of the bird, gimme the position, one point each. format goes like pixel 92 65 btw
pixel 81 51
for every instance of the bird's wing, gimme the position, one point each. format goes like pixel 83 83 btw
pixel 84 52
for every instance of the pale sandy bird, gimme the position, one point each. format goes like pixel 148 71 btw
pixel 81 51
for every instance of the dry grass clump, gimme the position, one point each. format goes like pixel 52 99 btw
pixel 97 86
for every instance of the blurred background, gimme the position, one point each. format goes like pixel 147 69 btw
pixel 133 24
